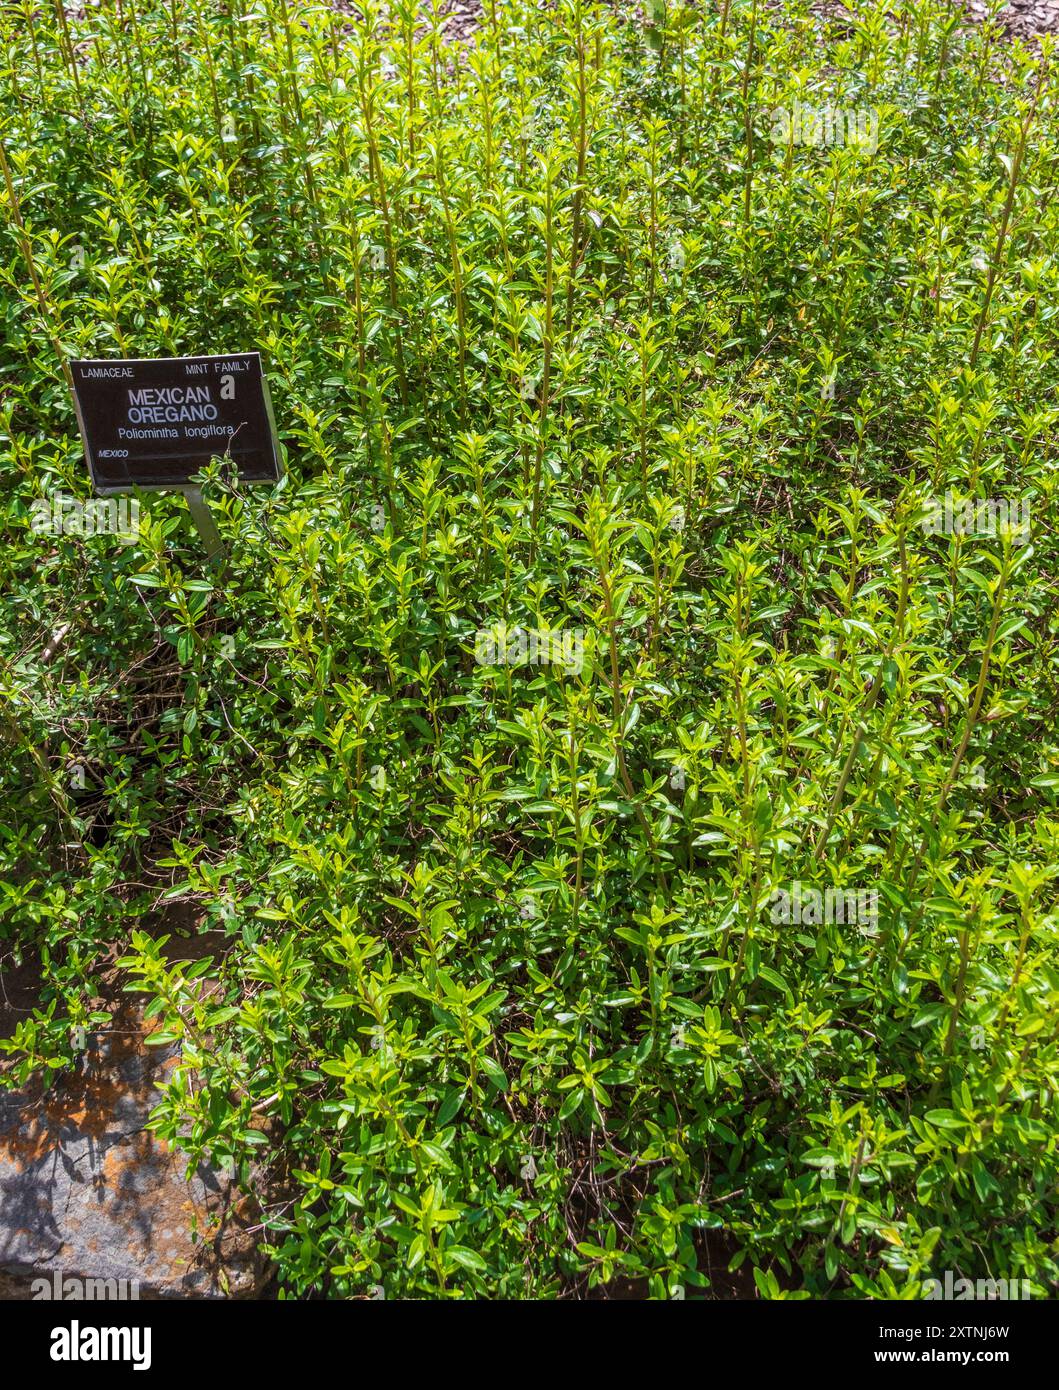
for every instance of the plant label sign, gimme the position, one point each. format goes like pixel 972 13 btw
pixel 152 423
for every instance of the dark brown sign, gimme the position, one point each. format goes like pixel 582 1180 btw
pixel 154 422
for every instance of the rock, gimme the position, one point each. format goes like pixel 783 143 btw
pixel 87 1191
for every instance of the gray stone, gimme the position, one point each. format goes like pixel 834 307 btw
pixel 87 1191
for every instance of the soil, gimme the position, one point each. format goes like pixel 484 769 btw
pixel 1023 19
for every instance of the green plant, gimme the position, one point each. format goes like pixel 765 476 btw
pixel 512 1000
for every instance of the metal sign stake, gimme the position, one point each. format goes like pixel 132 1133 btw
pixel 203 519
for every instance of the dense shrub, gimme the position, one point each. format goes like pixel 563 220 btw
pixel 576 332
